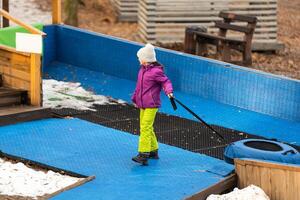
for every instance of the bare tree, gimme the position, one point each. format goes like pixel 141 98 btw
pixel 71 10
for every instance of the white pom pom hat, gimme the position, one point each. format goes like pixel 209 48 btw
pixel 147 53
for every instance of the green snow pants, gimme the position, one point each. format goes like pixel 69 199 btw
pixel 147 141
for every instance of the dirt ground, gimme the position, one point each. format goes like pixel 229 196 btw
pixel 99 16
pixel 286 62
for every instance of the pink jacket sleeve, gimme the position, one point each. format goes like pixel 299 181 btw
pixel 161 77
pixel 133 97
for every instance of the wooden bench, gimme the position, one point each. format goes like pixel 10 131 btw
pixel 224 44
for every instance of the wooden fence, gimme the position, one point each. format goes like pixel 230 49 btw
pixel 15 68
pixel 127 10
pixel 21 71
pixel 279 181
pixel 164 21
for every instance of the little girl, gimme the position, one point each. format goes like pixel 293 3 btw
pixel 146 97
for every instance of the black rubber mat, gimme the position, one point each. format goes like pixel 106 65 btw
pixel 180 132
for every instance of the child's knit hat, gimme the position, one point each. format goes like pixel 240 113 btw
pixel 147 53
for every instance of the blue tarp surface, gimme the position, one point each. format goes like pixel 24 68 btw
pixel 213 80
pixel 221 93
pixel 91 149
pixel 211 111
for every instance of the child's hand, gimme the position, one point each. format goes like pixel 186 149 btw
pixel 171 95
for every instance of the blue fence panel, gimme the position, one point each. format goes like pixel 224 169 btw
pixel 49 45
pixel 217 81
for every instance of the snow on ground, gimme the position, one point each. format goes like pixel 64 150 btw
pixel 60 94
pixel 16 179
pixel 251 192
pixel 29 12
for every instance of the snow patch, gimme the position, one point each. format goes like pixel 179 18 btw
pixel 16 179
pixel 251 192
pixel 60 94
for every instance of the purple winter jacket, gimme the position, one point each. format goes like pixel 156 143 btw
pixel 151 79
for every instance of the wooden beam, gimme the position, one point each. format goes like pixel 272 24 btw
pixel 233 16
pixel 5 6
pixel 30 28
pixel 39 164
pixel 56 12
pixel 267 46
pixel 42 166
pixel 78 183
pixel 233 27
pixel 22 113
pixel 35 77
pixel 223 186
pixel 270 164
pixel 13 50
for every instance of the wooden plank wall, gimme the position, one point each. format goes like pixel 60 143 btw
pixel 279 181
pixel 164 21
pixel 23 70
pixel 127 10
pixel 15 68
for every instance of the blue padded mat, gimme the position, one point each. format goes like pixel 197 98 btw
pixel 211 111
pixel 91 149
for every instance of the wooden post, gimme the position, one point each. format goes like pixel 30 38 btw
pixel 35 79
pixel 201 47
pixel 5 6
pixel 189 41
pixel 56 12
pixel 190 38
pixel 226 55
pixel 247 54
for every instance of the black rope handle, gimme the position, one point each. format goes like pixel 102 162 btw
pixel 173 103
pixel 173 100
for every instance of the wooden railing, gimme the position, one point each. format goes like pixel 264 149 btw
pixel 22 70
pixel 30 28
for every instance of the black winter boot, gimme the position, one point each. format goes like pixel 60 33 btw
pixel 154 154
pixel 141 158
